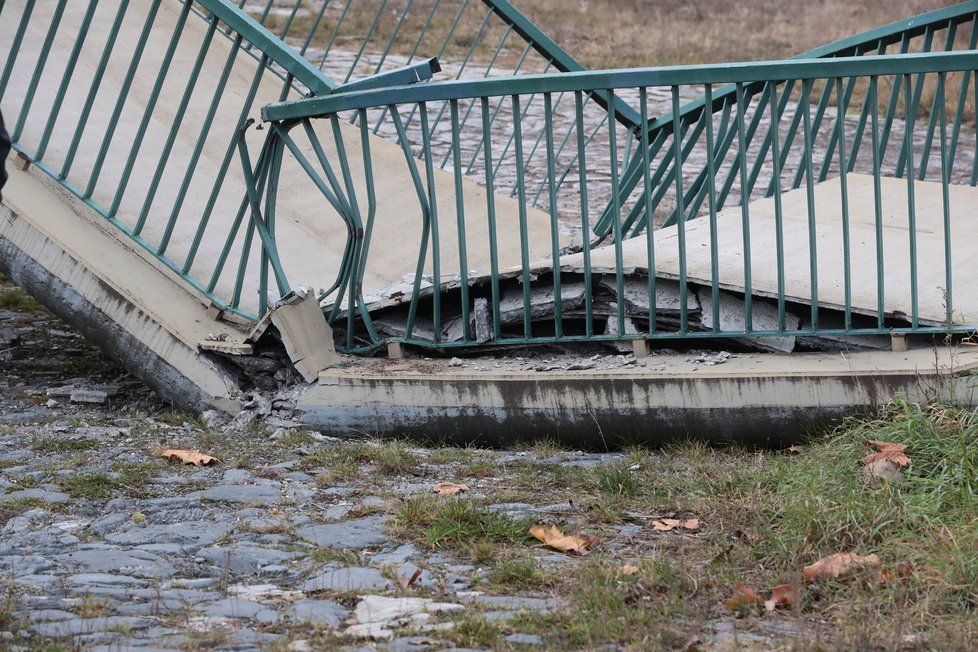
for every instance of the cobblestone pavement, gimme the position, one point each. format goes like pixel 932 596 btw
pixel 293 541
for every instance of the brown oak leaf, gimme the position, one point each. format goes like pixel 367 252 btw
pixel 667 524
pixel 743 597
pixel 450 488
pixel 839 564
pixel 886 450
pixel 572 544
pixel 194 457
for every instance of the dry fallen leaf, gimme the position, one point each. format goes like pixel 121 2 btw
pixel 838 565
pixel 742 598
pixel 887 451
pixel 783 595
pixel 576 545
pixel 628 569
pixel 405 581
pixel 667 524
pixel 450 488
pixel 194 457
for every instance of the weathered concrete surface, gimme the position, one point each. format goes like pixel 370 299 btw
pixel 761 398
pixel 116 296
pixel 931 279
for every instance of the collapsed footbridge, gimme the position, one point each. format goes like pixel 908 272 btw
pixel 286 196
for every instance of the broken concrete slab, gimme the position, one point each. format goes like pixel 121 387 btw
pixel 307 337
pixel 764 317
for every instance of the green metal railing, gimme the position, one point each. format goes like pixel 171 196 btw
pixel 591 158
pixel 774 133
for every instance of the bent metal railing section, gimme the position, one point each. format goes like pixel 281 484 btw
pixel 573 145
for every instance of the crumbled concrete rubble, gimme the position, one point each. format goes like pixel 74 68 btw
pixel 389 311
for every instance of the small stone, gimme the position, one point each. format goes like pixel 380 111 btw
pixel 52 403
pixel 876 473
pixel 524 639
pixel 353 534
pixel 318 612
pixel 88 396
pixel 351 578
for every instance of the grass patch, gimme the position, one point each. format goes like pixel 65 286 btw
pixel 455 523
pixel 95 486
pixel 16 300
pixel 520 574
pixel 56 445
pixel 389 458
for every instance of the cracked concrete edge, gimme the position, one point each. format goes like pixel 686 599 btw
pixel 103 311
pixel 768 405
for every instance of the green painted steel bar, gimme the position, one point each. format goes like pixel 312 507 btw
pixel 425 218
pixel 945 198
pixel 904 165
pixel 314 28
pixel 544 45
pixel 369 226
pixel 336 31
pixel 548 129
pixel 643 107
pixel 873 99
pixel 840 129
pixel 66 79
pixel 149 110
pixel 410 74
pixel 963 97
pixel 744 211
pixel 93 89
pixel 215 191
pixel 175 127
pixel 38 70
pixel 14 50
pixel 932 122
pixel 974 164
pixel 463 263
pixel 895 93
pixel 776 113
pixel 677 145
pixel 616 207
pixel 435 232
pixel 272 48
pixel 809 170
pixel 355 232
pixel 911 198
pixel 585 219
pixel 861 66
pixel 259 222
pixel 223 170
pixel 491 218
pixel 120 102
pixel 191 167
pixel 521 209
pixel 366 39
pixel 841 99
pixel 714 238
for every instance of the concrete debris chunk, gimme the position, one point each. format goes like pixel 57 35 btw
pixel 80 395
pixel 711 359
pixel 764 317
pixel 542 305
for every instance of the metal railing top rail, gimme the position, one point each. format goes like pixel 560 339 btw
pixel 586 81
